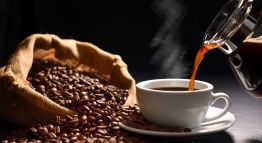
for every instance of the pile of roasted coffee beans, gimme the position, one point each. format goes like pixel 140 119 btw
pixel 97 103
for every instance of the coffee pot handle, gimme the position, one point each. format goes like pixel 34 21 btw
pixel 244 73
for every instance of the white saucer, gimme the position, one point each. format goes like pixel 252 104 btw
pixel 217 125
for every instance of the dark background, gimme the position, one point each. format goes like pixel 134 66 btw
pixel 138 30
pixel 126 28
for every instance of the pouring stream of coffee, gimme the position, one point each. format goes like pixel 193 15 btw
pixel 199 57
pixel 224 25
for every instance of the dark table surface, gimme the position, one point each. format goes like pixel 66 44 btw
pixel 248 113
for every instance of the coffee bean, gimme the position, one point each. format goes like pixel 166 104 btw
pixel 120 138
pixel 114 123
pixel 108 118
pixel 116 119
pixel 83 119
pixel 84 97
pixel 57 129
pixel 52 135
pixel 82 137
pixel 65 140
pixel 33 130
pixel 115 127
pixel 102 131
pixel 50 127
pixel 91 118
pixel 73 138
pixel 69 117
pixel 76 98
pixel 91 129
pixel 63 135
pixel 64 76
pixel 67 94
pixel 75 130
pixel 97 115
pixel 99 140
pixel 70 87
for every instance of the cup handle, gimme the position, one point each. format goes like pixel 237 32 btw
pixel 215 97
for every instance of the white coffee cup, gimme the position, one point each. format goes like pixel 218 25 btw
pixel 178 108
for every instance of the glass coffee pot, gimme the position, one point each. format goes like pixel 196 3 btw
pixel 245 61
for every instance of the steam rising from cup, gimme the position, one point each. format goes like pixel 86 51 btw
pixel 171 51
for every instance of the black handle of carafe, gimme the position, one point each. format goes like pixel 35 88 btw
pixel 244 72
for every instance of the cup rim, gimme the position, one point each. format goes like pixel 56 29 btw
pixel 208 88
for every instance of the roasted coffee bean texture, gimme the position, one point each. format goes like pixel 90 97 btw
pixel 68 87
pixel 97 103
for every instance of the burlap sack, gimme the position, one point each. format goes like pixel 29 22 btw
pixel 22 105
